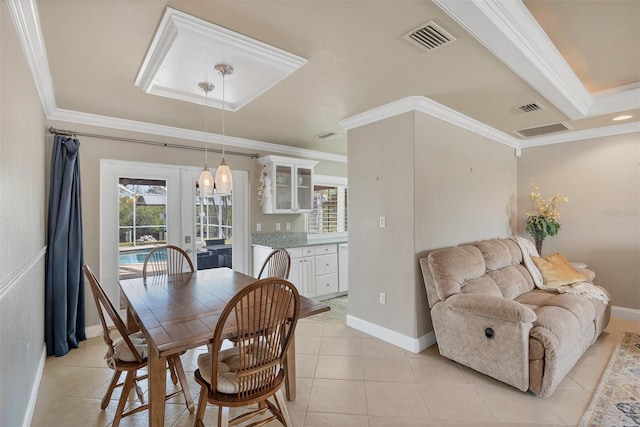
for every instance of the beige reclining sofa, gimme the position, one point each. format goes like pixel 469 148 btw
pixel 488 315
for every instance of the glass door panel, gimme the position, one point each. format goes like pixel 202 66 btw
pixel 142 221
pixel 284 189
pixel 214 231
pixel 304 188
pixel 215 228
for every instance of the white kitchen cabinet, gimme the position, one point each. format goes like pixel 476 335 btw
pixel 260 254
pixel 326 280
pixel 314 269
pixel 302 272
pixel 343 267
pixel 287 186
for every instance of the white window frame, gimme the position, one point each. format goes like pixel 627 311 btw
pixel 328 180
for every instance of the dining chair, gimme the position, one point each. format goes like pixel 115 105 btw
pixel 277 264
pixel 264 316
pixel 168 259
pixel 128 353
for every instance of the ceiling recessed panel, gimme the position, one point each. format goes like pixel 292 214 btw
pixel 185 50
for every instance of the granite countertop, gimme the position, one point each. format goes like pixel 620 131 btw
pixel 291 240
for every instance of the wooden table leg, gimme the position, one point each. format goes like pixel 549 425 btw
pixel 157 387
pixel 132 325
pixel 290 368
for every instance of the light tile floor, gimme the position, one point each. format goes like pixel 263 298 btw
pixel 347 378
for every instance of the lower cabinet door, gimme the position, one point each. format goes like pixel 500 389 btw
pixel 295 274
pixel 326 284
pixel 307 275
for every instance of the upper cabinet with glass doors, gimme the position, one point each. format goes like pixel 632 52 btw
pixel 286 185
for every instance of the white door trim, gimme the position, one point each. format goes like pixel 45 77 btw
pixel 111 170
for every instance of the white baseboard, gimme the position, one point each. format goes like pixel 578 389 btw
pixel 414 345
pixel 626 313
pixel 93 331
pixel 33 399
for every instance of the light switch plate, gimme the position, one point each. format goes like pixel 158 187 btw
pixel 277 226
pixel 383 222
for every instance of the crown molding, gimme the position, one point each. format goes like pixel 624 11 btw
pixel 188 134
pixel 203 44
pixel 579 135
pixel 431 108
pixel 510 32
pixel 24 14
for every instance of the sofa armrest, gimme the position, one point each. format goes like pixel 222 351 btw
pixel 589 274
pixel 491 306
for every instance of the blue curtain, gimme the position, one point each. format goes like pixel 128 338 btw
pixel 64 282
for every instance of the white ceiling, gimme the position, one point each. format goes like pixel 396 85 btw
pixel 86 57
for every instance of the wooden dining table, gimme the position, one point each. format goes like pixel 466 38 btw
pixel 179 312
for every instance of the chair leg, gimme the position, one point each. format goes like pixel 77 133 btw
pixel 202 407
pixel 112 386
pixel 138 391
pixel 282 404
pixel 223 416
pixel 126 389
pixel 172 370
pixel 177 364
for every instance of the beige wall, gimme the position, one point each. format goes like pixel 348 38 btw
pixel 601 221
pixel 22 227
pixel 381 260
pixel 465 191
pixel 438 185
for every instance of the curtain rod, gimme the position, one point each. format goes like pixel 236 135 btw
pixel 73 134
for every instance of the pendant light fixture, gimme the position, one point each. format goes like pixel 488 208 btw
pixel 205 182
pixel 224 181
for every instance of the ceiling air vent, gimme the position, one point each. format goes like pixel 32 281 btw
pixel 327 135
pixel 429 36
pixel 543 130
pixel 528 108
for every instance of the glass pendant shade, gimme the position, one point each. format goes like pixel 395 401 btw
pixel 224 180
pixel 205 182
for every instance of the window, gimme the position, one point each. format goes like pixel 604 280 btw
pixel 329 215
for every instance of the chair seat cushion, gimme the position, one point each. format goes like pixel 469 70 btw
pixel 124 353
pixel 228 365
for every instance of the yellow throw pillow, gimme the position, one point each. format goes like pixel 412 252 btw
pixel 556 270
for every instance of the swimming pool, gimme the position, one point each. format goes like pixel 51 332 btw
pixel 137 256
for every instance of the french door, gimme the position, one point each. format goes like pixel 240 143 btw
pixel 144 205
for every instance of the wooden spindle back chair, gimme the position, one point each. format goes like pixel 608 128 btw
pixel 168 259
pixel 277 264
pixel 263 316
pixel 127 354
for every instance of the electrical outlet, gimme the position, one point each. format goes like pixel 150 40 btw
pixel 383 298
pixel 288 226
pixel 258 227
pixel 277 226
pixel 383 222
